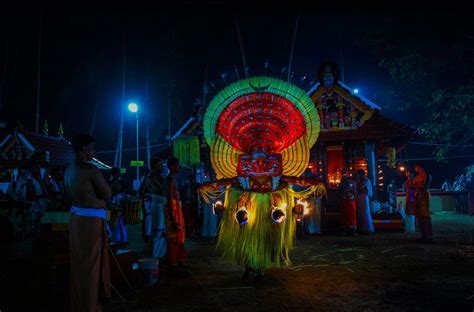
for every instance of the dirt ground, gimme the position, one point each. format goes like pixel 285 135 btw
pixel 383 272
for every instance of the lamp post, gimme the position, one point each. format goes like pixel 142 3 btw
pixel 133 107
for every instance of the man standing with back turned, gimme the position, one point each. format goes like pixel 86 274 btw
pixel 88 192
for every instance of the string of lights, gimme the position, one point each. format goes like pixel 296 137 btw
pixel 441 144
pixel 433 158
pixel 131 149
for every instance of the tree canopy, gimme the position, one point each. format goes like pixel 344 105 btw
pixel 430 60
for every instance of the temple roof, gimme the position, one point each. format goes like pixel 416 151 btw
pixel 378 127
pixel 371 125
pixel 363 99
pixel 360 97
pixel 57 151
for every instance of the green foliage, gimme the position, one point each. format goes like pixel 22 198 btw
pixel 60 130
pixel 431 78
pixel 449 118
pixel 411 82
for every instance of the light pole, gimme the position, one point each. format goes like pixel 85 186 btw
pixel 133 107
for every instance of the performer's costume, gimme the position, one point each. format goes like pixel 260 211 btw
pixel 260 131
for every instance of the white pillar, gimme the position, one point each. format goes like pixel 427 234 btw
pixel 371 166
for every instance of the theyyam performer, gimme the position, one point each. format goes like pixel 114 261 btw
pixel 260 131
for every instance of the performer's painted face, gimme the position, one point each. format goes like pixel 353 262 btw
pixel 260 170
pixel 260 164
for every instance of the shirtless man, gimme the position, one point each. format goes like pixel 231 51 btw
pixel 420 185
pixel 88 192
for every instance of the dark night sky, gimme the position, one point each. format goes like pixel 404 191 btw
pixel 82 58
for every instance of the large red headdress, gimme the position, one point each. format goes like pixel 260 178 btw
pixel 260 127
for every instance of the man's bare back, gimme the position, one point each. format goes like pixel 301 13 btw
pixel 85 185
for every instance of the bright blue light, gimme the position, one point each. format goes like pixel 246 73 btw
pixel 133 107
pixel 356 91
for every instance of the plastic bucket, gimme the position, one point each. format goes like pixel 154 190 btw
pixel 375 207
pixel 410 226
pixel 149 271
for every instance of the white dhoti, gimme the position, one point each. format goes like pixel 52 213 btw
pixel 312 223
pixel 408 220
pixel 209 222
pixel 364 218
pixel 410 224
pixel 120 234
pixel 155 226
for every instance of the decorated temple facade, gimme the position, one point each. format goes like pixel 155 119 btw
pixel 354 135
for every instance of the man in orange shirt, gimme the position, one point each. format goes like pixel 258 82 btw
pixel 420 185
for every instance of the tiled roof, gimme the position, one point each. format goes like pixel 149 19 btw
pixel 313 88
pixel 363 99
pixel 56 150
pixel 60 150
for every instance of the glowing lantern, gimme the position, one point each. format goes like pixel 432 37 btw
pixel 301 207
pixel 242 216
pixel 279 213
pixel 217 207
